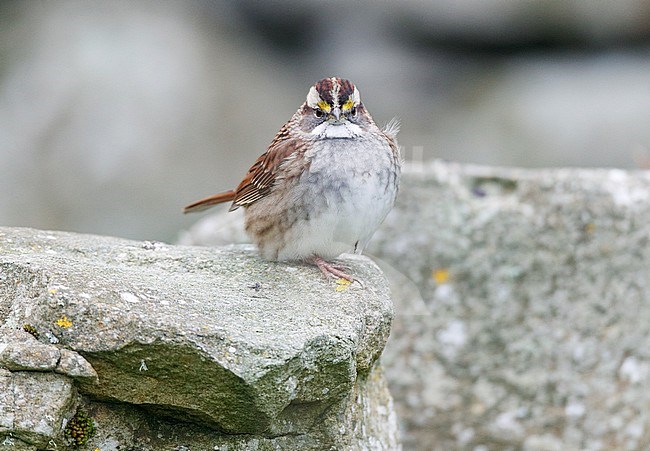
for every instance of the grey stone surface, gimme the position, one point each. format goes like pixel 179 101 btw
pixel 522 307
pixel 7 414
pixel 365 421
pixel 41 402
pixel 73 365
pixel 248 351
pixel 33 408
pixel 540 335
pixel 20 351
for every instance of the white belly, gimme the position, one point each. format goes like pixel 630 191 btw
pixel 350 188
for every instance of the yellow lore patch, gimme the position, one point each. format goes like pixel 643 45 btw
pixel 323 105
pixel 348 105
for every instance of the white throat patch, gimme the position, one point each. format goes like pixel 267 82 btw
pixel 343 130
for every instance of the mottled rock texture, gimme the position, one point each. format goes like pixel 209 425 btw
pixel 167 346
pixel 522 307
pixel 536 287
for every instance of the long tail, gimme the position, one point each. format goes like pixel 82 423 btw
pixel 204 204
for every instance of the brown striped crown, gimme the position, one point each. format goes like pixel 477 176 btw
pixel 333 92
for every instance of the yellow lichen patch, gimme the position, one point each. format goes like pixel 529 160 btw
pixel 63 322
pixel 348 105
pixel 342 284
pixel 440 276
pixel 52 291
pixel 323 105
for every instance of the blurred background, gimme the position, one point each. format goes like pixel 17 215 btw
pixel 114 115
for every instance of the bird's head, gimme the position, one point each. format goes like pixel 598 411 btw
pixel 333 109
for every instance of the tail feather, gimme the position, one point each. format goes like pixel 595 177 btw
pixel 204 204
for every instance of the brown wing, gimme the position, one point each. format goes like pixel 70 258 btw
pixel 260 176
pixel 265 170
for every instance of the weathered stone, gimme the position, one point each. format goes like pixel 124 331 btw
pixel 36 405
pixel 20 351
pixel 522 307
pixel 73 365
pixel 361 422
pixel 535 290
pixel 261 352
pixel 7 415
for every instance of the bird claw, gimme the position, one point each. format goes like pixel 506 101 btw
pixel 331 270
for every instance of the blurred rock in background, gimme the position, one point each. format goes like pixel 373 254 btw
pixel 522 306
pixel 113 115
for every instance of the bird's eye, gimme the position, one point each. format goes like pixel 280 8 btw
pixel 353 112
pixel 318 113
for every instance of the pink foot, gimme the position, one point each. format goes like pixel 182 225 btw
pixel 330 269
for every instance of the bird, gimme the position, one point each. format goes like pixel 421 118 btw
pixel 325 183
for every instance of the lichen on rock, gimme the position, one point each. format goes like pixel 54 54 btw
pixel 236 348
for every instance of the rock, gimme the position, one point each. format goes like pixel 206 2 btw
pixel 522 307
pixel 20 351
pixel 365 421
pixel 7 411
pixel 218 229
pixel 247 351
pixel 75 366
pixel 534 300
pixel 34 407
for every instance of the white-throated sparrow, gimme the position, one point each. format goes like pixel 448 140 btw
pixel 324 185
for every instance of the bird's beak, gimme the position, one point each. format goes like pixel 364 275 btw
pixel 336 114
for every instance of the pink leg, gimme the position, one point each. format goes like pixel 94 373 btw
pixel 329 269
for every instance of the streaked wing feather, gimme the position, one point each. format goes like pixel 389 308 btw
pixel 263 173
